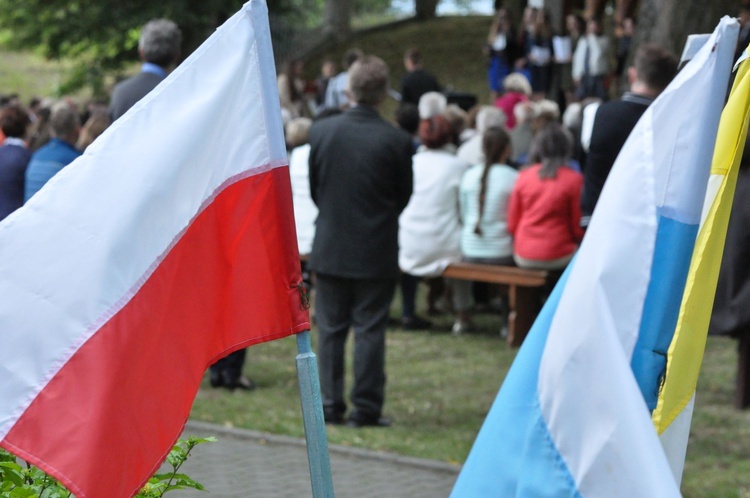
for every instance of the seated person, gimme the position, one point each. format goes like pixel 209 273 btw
pixel 305 210
pixel 517 90
pixel 544 213
pixel 429 227
pixel 484 195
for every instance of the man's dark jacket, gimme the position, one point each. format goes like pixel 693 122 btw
pixel 130 91
pixel 361 180
pixel 613 123
pixel 415 84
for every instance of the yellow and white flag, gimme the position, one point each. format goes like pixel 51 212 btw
pixel 674 409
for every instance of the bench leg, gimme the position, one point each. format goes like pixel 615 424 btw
pixel 742 393
pixel 524 306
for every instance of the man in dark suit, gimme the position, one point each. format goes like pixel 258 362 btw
pixel 654 68
pixel 361 180
pixel 159 49
pixel 417 81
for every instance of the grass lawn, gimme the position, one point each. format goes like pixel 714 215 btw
pixel 438 392
pixel 29 75
pixel 440 388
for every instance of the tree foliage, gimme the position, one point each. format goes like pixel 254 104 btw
pixel 102 35
pixel 669 22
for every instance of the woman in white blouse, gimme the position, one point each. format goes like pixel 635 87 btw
pixel 429 227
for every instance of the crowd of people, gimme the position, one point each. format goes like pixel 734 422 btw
pixel 512 183
pixel 39 140
pixel 380 205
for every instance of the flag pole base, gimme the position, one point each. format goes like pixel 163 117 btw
pixel 312 415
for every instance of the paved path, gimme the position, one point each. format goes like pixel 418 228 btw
pixel 251 464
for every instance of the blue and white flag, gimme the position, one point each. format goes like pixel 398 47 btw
pixel 573 417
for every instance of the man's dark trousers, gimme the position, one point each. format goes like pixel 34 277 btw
pixel 363 304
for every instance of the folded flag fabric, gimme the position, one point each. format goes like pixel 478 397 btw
pixel 572 417
pixel 674 409
pixel 167 245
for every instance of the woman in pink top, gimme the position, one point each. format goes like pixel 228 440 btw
pixel 517 90
pixel 544 213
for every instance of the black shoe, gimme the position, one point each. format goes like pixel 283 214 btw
pixel 333 417
pixel 415 323
pixel 216 380
pixel 368 422
pixel 241 382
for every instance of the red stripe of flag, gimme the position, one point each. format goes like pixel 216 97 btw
pixel 125 395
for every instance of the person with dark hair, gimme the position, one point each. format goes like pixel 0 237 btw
pixel 417 81
pixel 159 49
pixel 591 63
pixel 502 50
pixel 429 228
pixel 484 195
pixel 575 28
pixel 39 131
pixel 624 38
pixel 327 72
pixel 361 180
pixel 407 118
pixel 336 97
pixel 292 89
pixel 544 213
pixel 652 71
pixel 97 122
pixel 539 55
pixel 14 157
pixel 48 160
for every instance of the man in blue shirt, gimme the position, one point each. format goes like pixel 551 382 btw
pixel 65 125
pixel 159 49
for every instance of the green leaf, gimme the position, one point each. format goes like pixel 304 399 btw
pixel 23 492
pixel 11 466
pixel 12 472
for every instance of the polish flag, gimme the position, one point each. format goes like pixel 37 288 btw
pixel 169 244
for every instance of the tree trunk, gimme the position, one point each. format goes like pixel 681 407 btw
pixel 337 19
pixel 426 9
pixel 669 22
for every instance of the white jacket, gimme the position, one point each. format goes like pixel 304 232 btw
pixel 598 56
pixel 429 233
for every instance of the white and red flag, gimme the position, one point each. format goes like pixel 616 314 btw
pixel 167 245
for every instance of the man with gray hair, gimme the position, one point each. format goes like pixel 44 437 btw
pixel 488 116
pixel 65 125
pixel 159 49
pixel 361 180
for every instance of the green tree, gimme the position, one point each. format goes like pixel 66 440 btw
pixel 426 9
pixel 102 35
pixel 669 22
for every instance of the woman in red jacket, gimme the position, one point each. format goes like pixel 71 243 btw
pixel 544 212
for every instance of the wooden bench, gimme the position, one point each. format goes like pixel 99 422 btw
pixel 525 290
